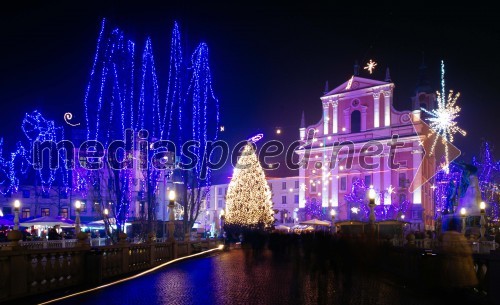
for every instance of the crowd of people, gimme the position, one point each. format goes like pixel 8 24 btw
pixel 344 261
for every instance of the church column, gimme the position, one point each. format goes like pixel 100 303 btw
pixel 387 177
pixel 417 208
pixel 376 110
pixel 324 181
pixel 377 173
pixel 417 179
pixel 302 184
pixel 334 183
pixel 335 117
pixel 387 108
pixel 325 117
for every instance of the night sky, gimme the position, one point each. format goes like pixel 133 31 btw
pixel 269 63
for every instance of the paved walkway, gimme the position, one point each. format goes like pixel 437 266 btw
pixel 237 277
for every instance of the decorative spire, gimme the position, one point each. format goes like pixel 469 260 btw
pixel 303 121
pixel 326 88
pixel 387 75
pixel 356 68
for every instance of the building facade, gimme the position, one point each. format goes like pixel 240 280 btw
pixel 352 141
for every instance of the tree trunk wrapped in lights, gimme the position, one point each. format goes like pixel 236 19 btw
pixel 248 199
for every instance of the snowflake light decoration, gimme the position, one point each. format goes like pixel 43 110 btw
pixel 443 119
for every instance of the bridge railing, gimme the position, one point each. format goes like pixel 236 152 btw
pixel 49 266
pixel 53 244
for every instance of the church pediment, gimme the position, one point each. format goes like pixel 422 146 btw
pixel 356 83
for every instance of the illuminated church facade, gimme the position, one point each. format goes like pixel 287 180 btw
pixel 352 142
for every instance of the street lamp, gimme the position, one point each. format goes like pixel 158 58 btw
pixel 171 218
pixel 78 206
pixel 332 213
pixel 482 222
pixel 462 213
pixel 402 216
pixel 15 235
pixel 17 205
pixel 371 196
pixel 106 223
pixel 222 218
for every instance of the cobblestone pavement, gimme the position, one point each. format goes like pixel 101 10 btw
pixel 237 277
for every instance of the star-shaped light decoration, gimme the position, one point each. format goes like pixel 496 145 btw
pixel 370 66
pixel 443 119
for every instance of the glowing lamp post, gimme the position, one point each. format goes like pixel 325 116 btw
pixel 482 222
pixel 14 236
pixel 17 206
pixel 371 204
pixel 171 217
pixel 78 207
pixel 371 196
pixel 462 213
pixel 402 226
pixel 106 222
pixel 222 218
pixel 332 213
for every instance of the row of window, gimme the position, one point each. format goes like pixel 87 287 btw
pixel 283 185
pixel 295 199
pixel 26 212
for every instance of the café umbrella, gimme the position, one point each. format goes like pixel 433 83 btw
pixel 316 222
pixel 49 221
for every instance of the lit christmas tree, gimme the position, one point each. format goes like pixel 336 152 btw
pixel 248 199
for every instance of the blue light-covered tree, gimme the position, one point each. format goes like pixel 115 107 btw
pixel 189 111
pixel 201 110
pixel 8 180
pixel 313 209
pixel 109 111
pixel 150 123
pixel 357 200
pixel 489 180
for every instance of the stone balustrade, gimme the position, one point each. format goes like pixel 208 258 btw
pixel 31 268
